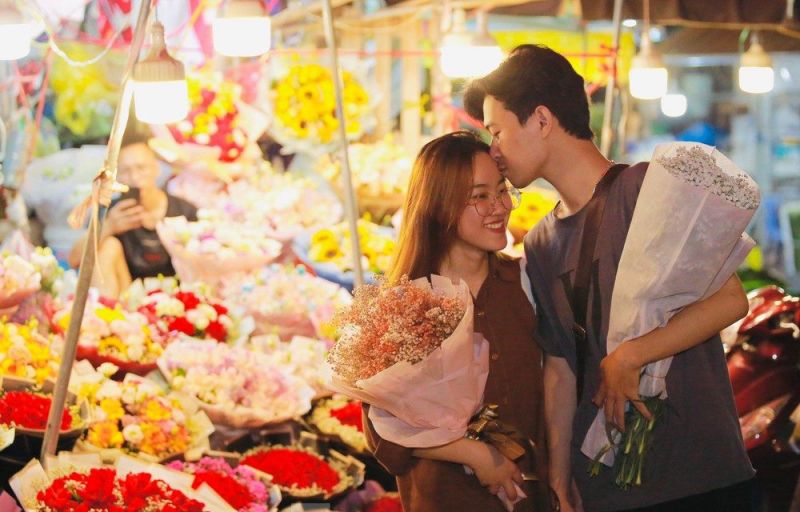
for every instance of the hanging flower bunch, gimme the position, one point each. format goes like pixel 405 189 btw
pixel 137 416
pixel 213 118
pixel 304 105
pixel 105 489
pixel 240 486
pixel 332 246
pixel 298 472
pixel 27 354
pixel 174 309
pixel 342 418
pixel 235 386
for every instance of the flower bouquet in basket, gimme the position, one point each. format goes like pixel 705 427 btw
pixel 27 354
pixel 302 473
pixel 19 280
pixel 114 335
pixel 340 419
pixel 136 416
pixel 242 487
pixel 212 248
pixel 173 309
pixel 25 407
pixel 686 239
pixel 302 357
pixel 80 483
pixel 235 386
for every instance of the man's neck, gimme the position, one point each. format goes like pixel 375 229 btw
pixel 575 172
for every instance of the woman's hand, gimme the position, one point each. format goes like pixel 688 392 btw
pixel 494 471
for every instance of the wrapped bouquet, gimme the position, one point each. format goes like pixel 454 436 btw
pixel 18 280
pixel 27 354
pixel 302 357
pixel 235 386
pixel 685 240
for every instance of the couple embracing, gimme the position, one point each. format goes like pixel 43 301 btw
pixel 550 372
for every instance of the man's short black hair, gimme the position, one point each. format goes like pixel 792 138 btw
pixel 534 75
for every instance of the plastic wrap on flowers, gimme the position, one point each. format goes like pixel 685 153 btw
pixel 242 487
pixel 302 473
pixel 303 105
pixel 209 250
pixel 25 406
pixel 328 251
pixel 79 482
pixel 235 386
pixel 287 301
pixel 138 417
pixel 380 173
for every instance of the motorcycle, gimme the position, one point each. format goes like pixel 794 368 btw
pixel 765 377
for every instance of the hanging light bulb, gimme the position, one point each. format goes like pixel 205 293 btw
pixel 647 78
pixel 243 30
pixel 755 69
pixel 160 93
pixel 466 54
pixel 674 104
pixel 15 33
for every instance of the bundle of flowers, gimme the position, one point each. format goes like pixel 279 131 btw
pixel 235 386
pixel 304 107
pixel 137 416
pixel 299 472
pixel 341 418
pixel 18 280
pixel 534 205
pixel 112 334
pixel 332 247
pixel 27 354
pixel 240 487
pixel 286 300
pixel 302 357
pixel 214 117
pixel 280 203
pixel 173 309
pixel 212 248
pixel 46 264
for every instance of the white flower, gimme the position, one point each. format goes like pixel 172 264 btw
pixel 109 389
pixel 198 319
pixel 133 434
pixel 208 311
pixel 135 352
pixel 107 369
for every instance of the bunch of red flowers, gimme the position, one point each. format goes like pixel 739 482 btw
pixel 294 469
pixel 349 415
pixel 29 410
pixel 186 312
pixel 389 323
pixel 102 489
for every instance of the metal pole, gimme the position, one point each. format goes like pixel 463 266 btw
pixel 351 206
pixel 607 134
pixel 88 259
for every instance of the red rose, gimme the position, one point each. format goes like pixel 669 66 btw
pixel 99 490
pixel 217 331
pixel 189 299
pixel 231 491
pixel 294 468
pixel 220 309
pixel 181 324
pixel 349 414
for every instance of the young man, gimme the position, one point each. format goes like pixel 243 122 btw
pixel 535 107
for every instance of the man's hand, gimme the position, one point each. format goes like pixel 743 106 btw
pixel 123 216
pixel 495 471
pixel 619 383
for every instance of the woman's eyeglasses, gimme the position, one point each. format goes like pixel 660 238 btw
pixel 484 203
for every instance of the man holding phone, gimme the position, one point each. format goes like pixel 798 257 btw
pixel 129 247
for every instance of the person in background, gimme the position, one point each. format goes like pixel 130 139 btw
pixel 456 214
pixel 129 247
pixel 535 107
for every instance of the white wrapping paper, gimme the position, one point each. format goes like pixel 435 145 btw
pixel 683 244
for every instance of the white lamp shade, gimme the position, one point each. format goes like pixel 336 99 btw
pixel 15 40
pixel 674 105
pixel 648 83
pixel 469 61
pixel 161 102
pixel 247 36
pixel 756 79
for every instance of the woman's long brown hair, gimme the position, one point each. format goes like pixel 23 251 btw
pixel 438 190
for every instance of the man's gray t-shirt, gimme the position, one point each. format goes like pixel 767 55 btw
pixel 697 443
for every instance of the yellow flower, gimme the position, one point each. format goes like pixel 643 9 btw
pixel 108 315
pixel 112 345
pixel 155 411
pixel 105 434
pixel 113 409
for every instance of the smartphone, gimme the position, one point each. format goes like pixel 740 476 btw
pixel 132 193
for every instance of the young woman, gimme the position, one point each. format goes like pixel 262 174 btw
pixel 454 222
